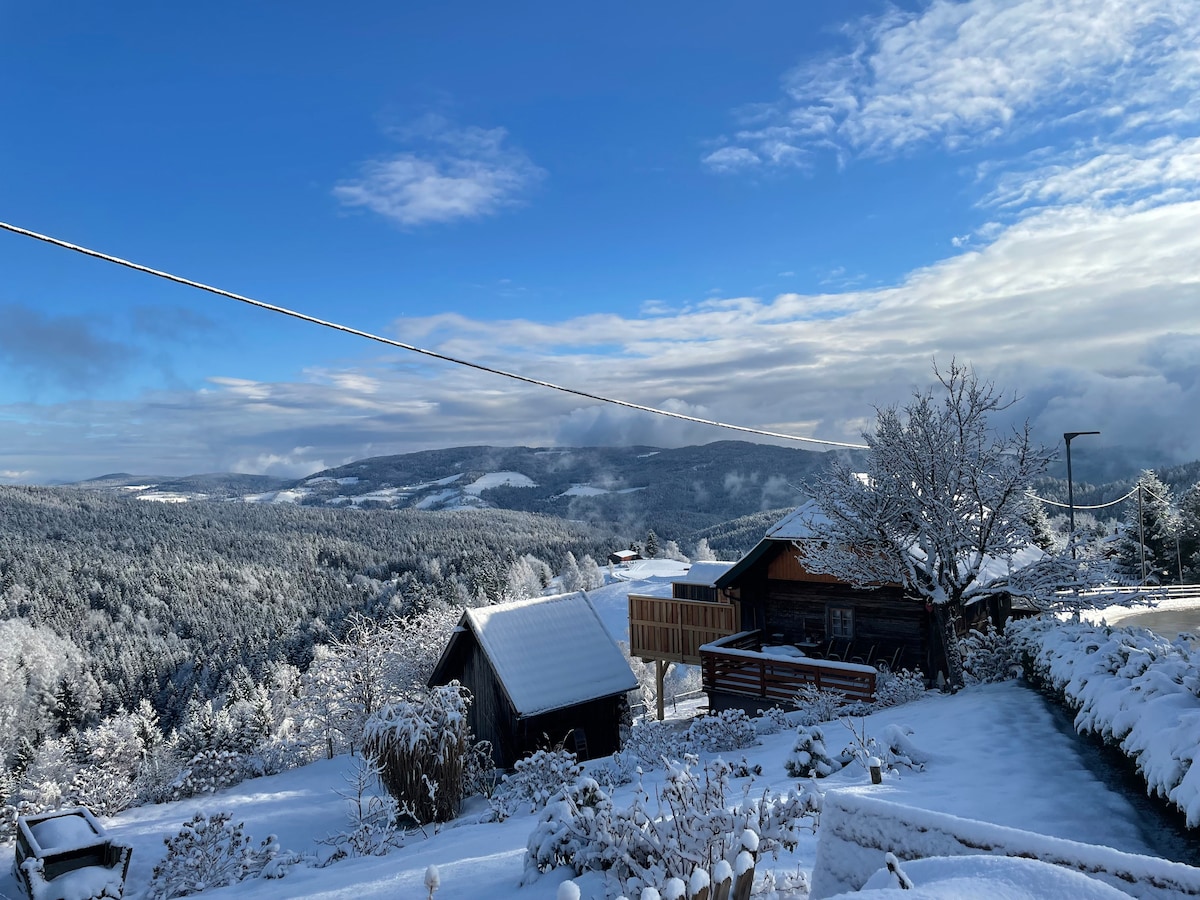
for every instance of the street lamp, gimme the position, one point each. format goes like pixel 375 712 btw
pixel 1068 436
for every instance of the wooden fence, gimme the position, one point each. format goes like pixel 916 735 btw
pixel 730 666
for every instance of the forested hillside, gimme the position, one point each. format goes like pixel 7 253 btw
pixel 135 599
pixel 673 492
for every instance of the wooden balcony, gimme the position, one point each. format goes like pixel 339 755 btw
pixel 672 630
pixel 734 665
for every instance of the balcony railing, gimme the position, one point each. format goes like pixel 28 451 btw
pixel 734 665
pixel 673 630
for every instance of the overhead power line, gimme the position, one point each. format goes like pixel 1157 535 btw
pixel 1077 506
pixel 313 320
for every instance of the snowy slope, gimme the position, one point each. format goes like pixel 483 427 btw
pixel 1034 782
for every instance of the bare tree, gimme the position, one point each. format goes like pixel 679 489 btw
pixel 941 509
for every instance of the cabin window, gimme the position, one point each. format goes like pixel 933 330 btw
pixel 841 622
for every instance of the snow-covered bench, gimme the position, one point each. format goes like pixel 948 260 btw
pixel 857 832
pixel 66 855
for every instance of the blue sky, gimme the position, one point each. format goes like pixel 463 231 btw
pixel 776 215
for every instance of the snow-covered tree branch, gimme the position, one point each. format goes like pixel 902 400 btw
pixel 941 508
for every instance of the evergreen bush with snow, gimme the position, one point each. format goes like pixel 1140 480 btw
pixel 1131 688
pixel 809 757
pixel 422 748
pixel 988 656
pixel 207 772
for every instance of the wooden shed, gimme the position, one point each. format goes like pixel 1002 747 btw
pixel 541 671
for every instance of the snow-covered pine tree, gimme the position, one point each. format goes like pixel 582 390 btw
pixel 1189 534
pixel 1149 518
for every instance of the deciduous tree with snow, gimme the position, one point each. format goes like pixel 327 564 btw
pixel 942 498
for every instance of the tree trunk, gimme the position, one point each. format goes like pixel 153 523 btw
pixel 946 615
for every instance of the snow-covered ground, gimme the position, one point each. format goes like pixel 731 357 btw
pixel 995 755
pixel 1127 615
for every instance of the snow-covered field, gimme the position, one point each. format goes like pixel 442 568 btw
pixel 994 755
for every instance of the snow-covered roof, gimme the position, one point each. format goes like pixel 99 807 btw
pixel 550 652
pixel 704 574
pixel 801 523
pixel 806 521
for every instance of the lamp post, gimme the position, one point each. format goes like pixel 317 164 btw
pixel 1068 436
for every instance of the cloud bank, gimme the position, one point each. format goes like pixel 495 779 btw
pixel 1093 315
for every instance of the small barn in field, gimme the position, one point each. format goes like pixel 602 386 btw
pixel 542 671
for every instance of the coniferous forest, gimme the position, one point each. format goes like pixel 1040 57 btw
pixel 111 601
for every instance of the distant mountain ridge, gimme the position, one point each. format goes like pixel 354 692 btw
pixel 674 491
pixel 682 494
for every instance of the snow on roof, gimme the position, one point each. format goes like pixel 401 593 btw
pixel 802 522
pixel 806 521
pixel 550 652
pixel 704 574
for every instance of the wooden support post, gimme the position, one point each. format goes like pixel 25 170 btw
pixel 660 673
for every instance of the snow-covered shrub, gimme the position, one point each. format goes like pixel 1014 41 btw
pixel 817 705
pixel 898 688
pixel 809 757
pixel 689 826
pixel 900 750
pixel 651 741
pixel 208 853
pixel 207 772
pixel 988 656
pixel 157 774
pixel 893 751
pixel 730 729
pixel 534 782
pixel 8 809
pixel 103 790
pixel 1132 689
pixel 421 748
pixel 479 772
pixel 372 830
pixel 771 721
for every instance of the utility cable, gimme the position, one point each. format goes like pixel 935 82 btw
pixel 313 320
pixel 1034 496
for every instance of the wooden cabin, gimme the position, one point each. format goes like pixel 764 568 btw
pixel 788 605
pixel 623 557
pixel 542 672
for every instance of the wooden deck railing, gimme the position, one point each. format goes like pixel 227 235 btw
pixel 729 668
pixel 673 630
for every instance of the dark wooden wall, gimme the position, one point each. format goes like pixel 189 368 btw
pixel 599 720
pixel 492 717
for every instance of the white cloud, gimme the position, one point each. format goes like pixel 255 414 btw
pixel 457 173
pixel 1138 176
pixel 732 159
pixel 960 74
pixel 1091 313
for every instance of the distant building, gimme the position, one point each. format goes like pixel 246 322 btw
pixel 542 672
pixel 623 556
